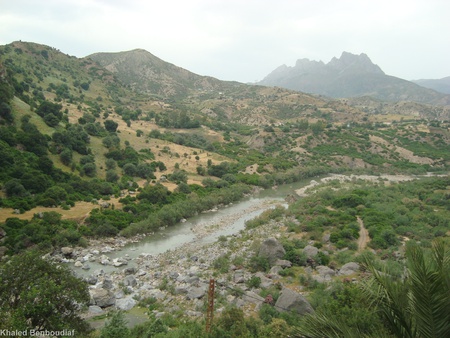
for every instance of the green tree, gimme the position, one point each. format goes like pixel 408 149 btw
pixel 418 305
pixel 111 176
pixel 38 294
pixel 116 327
pixel 111 126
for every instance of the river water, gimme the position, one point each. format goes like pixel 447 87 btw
pixel 223 222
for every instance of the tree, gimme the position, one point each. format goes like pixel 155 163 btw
pixel 5 112
pixel 89 169
pixel 111 176
pixel 38 294
pixel 111 126
pixel 418 305
pixel 66 156
pixel 116 327
pixel 129 169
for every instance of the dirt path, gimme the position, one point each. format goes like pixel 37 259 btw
pixel 363 235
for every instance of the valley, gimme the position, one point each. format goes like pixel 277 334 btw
pixel 306 198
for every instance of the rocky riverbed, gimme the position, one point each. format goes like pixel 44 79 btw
pixel 178 279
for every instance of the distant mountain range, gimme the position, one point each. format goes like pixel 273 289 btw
pixel 350 76
pixel 439 85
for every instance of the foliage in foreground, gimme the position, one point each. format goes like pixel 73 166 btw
pixel 36 294
pixel 414 305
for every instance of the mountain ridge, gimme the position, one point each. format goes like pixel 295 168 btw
pixel 146 73
pixel 440 85
pixel 350 76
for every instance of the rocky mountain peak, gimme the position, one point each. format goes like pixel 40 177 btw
pixel 358 63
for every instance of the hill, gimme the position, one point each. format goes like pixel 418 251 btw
pixel 72 130
pixel 146 73
pixel 350 76
pixel 439 85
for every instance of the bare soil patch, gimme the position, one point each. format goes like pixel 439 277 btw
pixel 363 235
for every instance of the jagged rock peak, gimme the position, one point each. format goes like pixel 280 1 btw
pixel 361 62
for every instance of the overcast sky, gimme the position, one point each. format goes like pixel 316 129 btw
pixel 242 40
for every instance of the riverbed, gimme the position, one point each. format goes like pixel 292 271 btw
pixel 196 231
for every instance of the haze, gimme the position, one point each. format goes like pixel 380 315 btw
pixel 242 40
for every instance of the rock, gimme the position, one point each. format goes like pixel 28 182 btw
pixel 239 277
pixel 157 294
pixel 105 205
pixel 78 264
pixel 141 273
pixel 126 303
pixel 119 294
pixel 107 284
pixel 91 279
pixel 274 270
pixel 130 280
pixel 104 260
pixel 272 250
pixel 67 251
pixel 253 298
pixel 326 238
pixel 102 297
pixel 119 262
pixel 95 310
pixel 173 275
pixel 195 292
pixel 292 301
pixel 180 290
pixel 99 272
pixel 265 282
pixel 85 266
pixel 106 249
pixel 349 269
pixel 130 271
pixel 283 263
pixel 325 272
pixel 192 280
pixel 310 251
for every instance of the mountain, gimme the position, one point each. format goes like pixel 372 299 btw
pixel 439 85
pixel 146 73
pixel 350 76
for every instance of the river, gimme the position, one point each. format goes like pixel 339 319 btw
pixel 202 229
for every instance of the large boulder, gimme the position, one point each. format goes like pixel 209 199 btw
pixel 102 297
pixel 310 251
pixel 126 303
pixel 130 280
pixel 194 292
pixel 95 310
pixel 67 251
pixel 349 269
pixel 272 250
pixel 292 301
pixel 325 272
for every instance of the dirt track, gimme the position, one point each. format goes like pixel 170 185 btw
pixel 363 235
